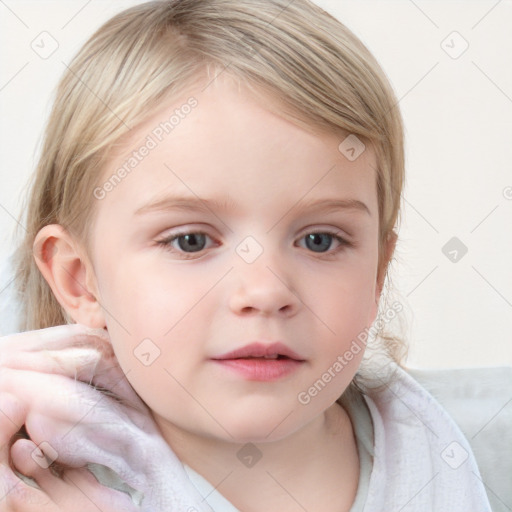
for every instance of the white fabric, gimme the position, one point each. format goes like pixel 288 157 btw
pixel 421 460
pixel 214 498
pixel 480 402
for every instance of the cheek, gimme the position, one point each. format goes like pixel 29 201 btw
pixel 345 299
pixel 152 317
pixel 156 290
pixel 345 307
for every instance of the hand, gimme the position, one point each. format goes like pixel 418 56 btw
pixel 64 414
pixel 76 490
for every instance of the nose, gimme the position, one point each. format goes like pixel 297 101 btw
pixel 264 287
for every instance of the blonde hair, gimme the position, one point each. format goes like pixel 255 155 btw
pixel 321 73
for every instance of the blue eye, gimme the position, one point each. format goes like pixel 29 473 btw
pixel 194 241
pixel 187 244
pixel 321 241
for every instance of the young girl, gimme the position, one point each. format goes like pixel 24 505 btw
pixel 214 212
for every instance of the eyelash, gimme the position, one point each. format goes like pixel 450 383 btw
pixel 167 241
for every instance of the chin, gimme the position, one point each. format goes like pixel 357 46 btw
pixel 259 426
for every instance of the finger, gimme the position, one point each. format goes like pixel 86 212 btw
pixel 69 401
pixel 52 338
pixel 80 426
pixel 76 486
pixel 71 350
pixel 36 461
pixel 16 495
pixel 97 494
pixel 45 349
pixel 60 412
pixel 30 460
pixel 53 401
pixel 64 397
pixel 12 416
pixel 79 362
pixel 58 396
pixel 116 444
pixel 78 423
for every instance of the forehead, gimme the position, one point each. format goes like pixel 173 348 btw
pixel 225 141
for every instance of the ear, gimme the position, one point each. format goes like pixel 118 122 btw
pixel 70 275
pixel 387 254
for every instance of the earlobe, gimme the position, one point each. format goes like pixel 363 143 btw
pixel 68 274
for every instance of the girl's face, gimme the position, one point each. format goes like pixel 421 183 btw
pixel 221 232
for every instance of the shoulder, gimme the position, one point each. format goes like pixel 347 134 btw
pixel 480 402
pixel 418 445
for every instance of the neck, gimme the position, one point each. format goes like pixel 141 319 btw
pixel 315 468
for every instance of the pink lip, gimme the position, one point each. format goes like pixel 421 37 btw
pixel 250 362
pixel 258 349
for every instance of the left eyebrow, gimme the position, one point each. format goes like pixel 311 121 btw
pixel 333 205
pixel 186 203
pixel 195 204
